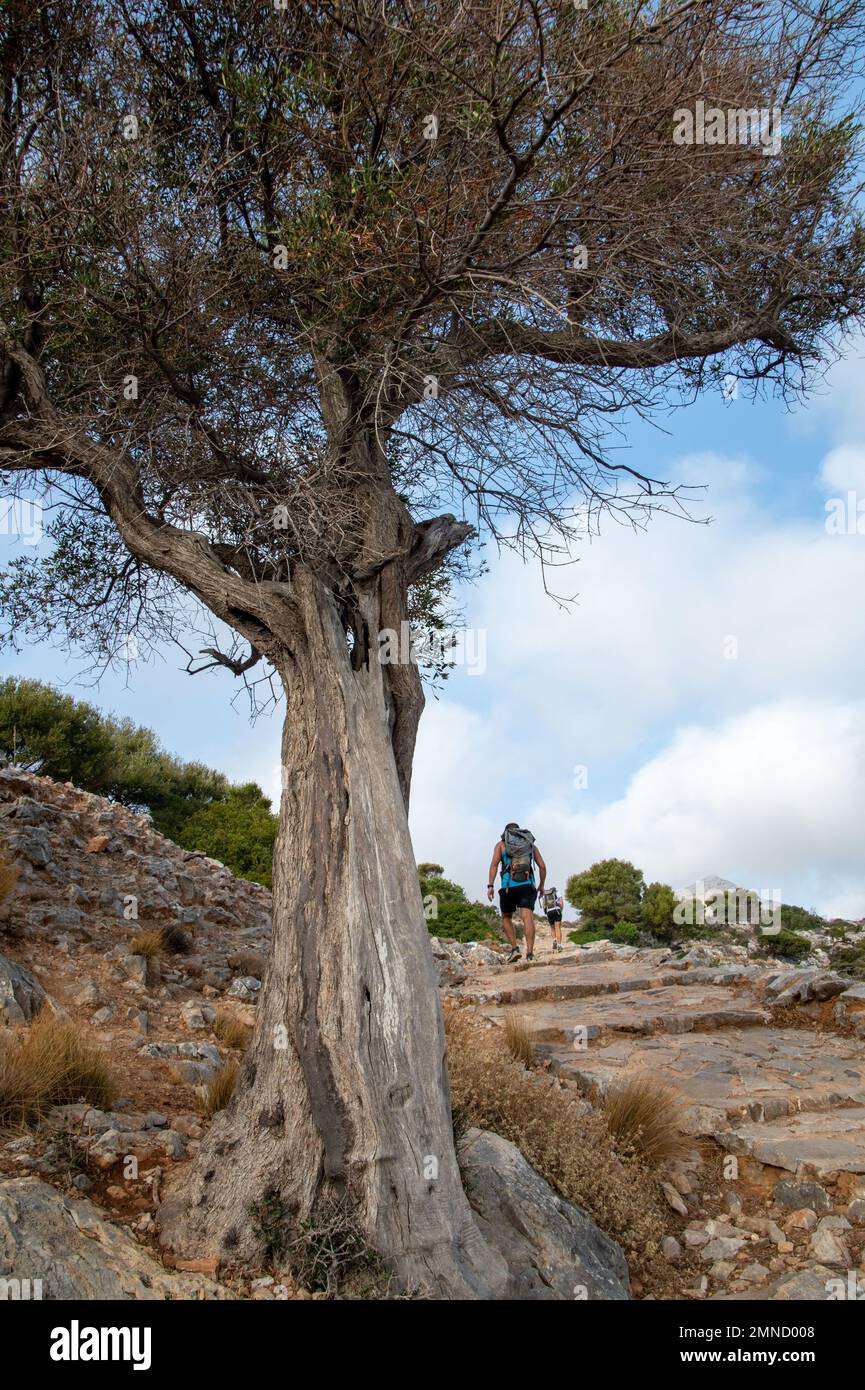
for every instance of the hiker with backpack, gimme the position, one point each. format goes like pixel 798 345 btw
pixel 554 906
pixel 516 855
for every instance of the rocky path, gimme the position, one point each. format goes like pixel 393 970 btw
pixel 769 1063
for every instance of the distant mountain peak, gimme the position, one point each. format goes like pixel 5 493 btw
pixel 712 883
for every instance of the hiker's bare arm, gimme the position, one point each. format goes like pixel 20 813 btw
pixel 539 860
pixel 494 868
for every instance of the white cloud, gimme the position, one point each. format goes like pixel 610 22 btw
pixel 751 767
pixel 843 469
pixel 773 798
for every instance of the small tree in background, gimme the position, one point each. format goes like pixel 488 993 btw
pixel 239 831
pixel 659 903
pixel 448 910
pixel 610 892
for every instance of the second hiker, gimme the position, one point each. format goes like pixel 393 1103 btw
pixel 516 855
pixel 554 906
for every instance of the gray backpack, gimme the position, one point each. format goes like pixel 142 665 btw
pixel 518 846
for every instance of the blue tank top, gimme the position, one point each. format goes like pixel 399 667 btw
pixel 506 878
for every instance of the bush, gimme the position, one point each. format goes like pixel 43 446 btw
pixel 608 893
pixel 230 1031
pixel 626 933
pixel 220 1088
pixel 850 960
pixel 239 831
pixel 70 741
pixel 799 919
pixel 519 1039
pixel 450 914
pixel 149 944
pixel 656 912
pixel 788 945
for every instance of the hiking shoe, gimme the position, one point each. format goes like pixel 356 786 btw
pixel 530 955
pixel 514 956
pixel 556 946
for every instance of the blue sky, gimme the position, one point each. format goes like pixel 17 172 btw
pixel 707 680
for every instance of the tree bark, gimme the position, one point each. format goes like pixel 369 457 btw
pixel 345 1085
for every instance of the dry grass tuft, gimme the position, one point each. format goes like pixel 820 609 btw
pixel 221 1088
pixel 150 944
pixel 248 963
pixel 519 1039
pixel 570 1146
pixel 50 1064
pixel 230 1030
pixel 646 1116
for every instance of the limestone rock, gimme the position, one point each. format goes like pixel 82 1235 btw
pixel 245 987
pixel 802 1194
pixel 78 1255
pixel 552 1249
pixel 21 996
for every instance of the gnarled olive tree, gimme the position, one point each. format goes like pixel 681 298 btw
pixel 293 300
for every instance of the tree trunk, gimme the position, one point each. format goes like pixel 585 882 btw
pixel 344 1088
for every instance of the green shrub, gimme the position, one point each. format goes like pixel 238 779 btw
pixel 239 831
pixel 850 960
pixel 799 919
pixel 70 741
pixel 609 892
pixel 788 945
pixel 450 914
pixel 626 932
pixel 656 912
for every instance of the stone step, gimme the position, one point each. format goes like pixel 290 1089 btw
pixel 812 1144
pixel 560 981
pixel 677 1008
pixel 756 1074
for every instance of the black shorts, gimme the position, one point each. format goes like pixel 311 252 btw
pixel 512 898
pixel 554 916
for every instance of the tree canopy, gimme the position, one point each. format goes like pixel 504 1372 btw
pixel 262 266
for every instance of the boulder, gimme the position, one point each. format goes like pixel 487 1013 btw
pixel 553 1250
pixel 21 996
pixel 795 1195
pixel 245 987
pixel 197 1017
pixel 803 986
pixel 67 1244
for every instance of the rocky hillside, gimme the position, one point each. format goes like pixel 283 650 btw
pixel 156 956
pixel 79 1191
